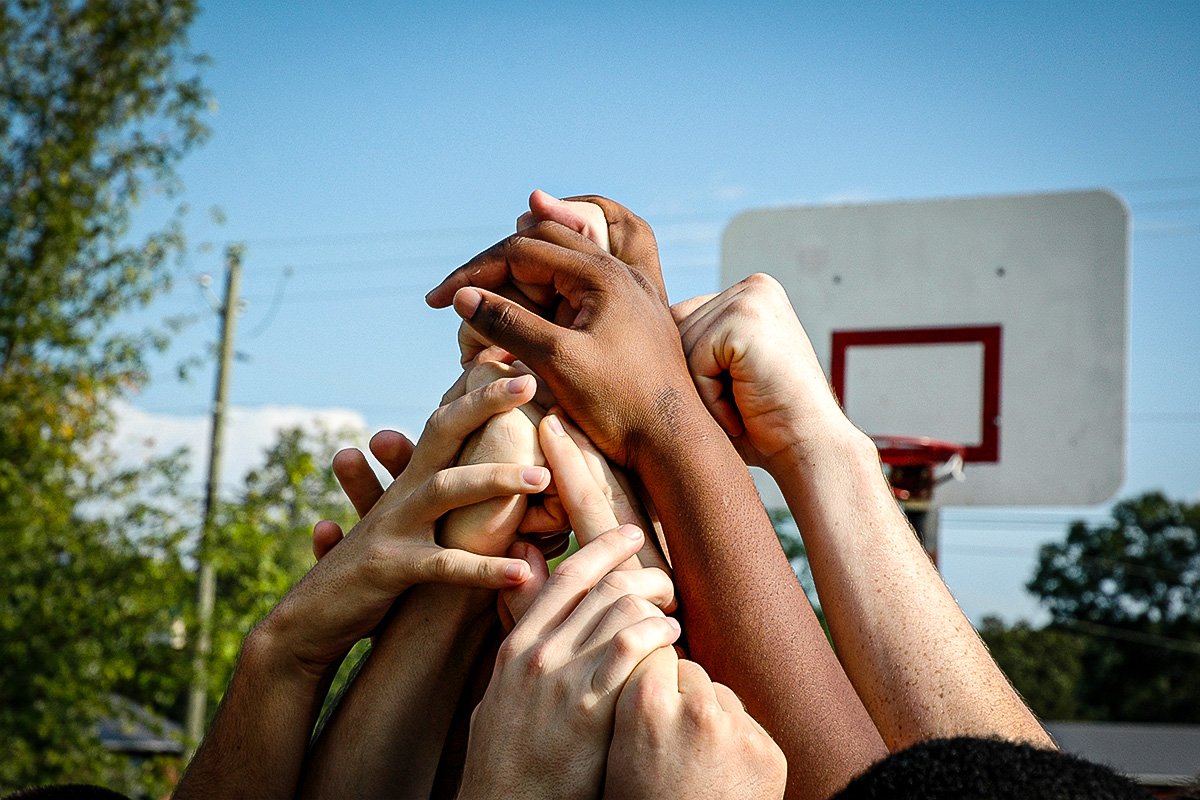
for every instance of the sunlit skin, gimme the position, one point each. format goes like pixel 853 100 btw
pixel 609 350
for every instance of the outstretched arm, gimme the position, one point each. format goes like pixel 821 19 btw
pixel 258 739
pixel 914 659
pixel 612 357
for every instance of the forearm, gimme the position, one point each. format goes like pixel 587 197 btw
pixel 747 619
pixel 256 745
pixel 385 737
pixel 916 662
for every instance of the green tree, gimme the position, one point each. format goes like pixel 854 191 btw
pixel 1044 664
pixel 263 540
pixel 1132 589
pixel 100 99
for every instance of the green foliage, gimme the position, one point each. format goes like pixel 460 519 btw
pixel 1124 598
pixel 1045 665
pixel 98 102
pixel 262 544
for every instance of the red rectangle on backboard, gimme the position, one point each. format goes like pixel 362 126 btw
pixel 988 336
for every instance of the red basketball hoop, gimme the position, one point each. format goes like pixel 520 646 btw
pixel 918 463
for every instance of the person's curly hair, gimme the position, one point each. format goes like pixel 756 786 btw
pixel 968 768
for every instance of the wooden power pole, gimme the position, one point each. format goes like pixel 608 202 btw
pixel 197 711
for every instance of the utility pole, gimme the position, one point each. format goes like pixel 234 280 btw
pixel 197 711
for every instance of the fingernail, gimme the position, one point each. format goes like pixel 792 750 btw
pixel 674 623
pixel 631 531
pixel 518 385
pixel 466 301
pixel 534 476
pixel 516 572
pixel 555 425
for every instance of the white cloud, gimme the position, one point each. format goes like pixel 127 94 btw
pixel 729 192
pixel 849 197
pixel 249 431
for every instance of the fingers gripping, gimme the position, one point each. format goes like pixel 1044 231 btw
pixel 458 487
pixel 516 602
pixel 533 339
pixel 631 240
pixel 576 576
pixel 582 217
pixel 628 647
pixel 435 564
pixel 542 256
pixel 451 424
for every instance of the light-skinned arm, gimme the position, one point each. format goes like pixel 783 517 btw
pixel 914 659
pixel 612 357
pixel 256 745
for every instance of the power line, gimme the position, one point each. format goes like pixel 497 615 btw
pixel 1137 637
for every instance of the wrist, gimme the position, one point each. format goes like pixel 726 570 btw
pixel 815 448
pixel 270 651
pixel 681 425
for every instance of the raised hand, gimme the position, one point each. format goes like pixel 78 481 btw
pixel 585 218
pixel 610 352
pixel 612 356
pixel 362 487
pixel 393 546
pixel 755 369
pixel 679 734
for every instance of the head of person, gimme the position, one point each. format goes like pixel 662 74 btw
pixel 988 769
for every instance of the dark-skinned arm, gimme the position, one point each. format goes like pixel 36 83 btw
pixel 613 358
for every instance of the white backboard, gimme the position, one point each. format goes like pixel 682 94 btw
pixel 996 322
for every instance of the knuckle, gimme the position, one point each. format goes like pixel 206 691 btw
pixel 617 583
pixel 651 700
pixel 762 282
pixel 438 484
pixel 583 705
pixel 631 606
pixel 500 319
pixel 510 651
pixel 438 566
pixel 539 660
pixel 592 502
pixel 625 643
pixel 436 424
pixel 569 572
pixel 703 714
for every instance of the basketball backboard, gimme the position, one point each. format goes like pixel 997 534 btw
pixel 996 322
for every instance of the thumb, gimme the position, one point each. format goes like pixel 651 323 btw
pixel 519 331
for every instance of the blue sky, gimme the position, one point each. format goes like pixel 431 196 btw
pixel 372 147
